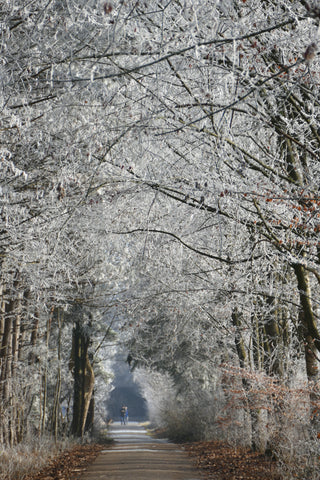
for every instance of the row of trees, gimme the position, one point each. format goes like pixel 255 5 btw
pixel 56 286
pixel 230 225
pixel 160 160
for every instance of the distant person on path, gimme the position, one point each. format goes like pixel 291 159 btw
pixel 124 415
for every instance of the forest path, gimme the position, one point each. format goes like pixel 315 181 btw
pixel 137 456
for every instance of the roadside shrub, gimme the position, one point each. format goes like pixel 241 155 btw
pixel 190 417
pixel 28 457
pixel 283 419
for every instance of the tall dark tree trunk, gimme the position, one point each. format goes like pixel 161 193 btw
pixel 55 413
pixel 311 339
pixel 83 382
pixel 308 325
pixel 9 355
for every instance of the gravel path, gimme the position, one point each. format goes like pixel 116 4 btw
pixel 137 456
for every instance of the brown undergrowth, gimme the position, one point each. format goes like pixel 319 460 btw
pixel 219 461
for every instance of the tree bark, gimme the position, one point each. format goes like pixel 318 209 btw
pixel 308 325
pixel 83 381
pixel 311 339
pixel 250 406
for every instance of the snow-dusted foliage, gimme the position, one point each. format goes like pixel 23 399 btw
pixel 159 163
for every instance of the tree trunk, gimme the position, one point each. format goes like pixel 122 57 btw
pixel 55 415
pixel 44 386
pixel 308 325
pixel 5 376
pixel 242 354
pixel 250 406
pixel 273 357
pixel 311 339
pixel 83 381
pixel 9 355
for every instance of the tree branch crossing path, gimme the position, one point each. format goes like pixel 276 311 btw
pixel 135 455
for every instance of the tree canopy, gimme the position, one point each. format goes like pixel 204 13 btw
pixel 160 177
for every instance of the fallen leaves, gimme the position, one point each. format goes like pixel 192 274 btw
pixel 220 461
pixel 217 460
pixel 69 464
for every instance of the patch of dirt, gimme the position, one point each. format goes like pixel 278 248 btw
pixel 70 464
pixel 219 461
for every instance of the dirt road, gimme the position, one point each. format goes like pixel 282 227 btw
pixel 137 456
